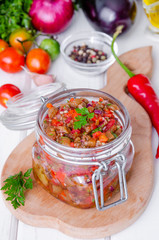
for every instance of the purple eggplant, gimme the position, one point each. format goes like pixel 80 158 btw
pixel 106 15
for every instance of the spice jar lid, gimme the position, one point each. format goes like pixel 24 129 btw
pixel 22 109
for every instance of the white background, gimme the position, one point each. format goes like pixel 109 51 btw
pixel 146 227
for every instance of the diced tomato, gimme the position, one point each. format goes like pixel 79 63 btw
pixel 71 99
pixel 93 126
pixel 56 123
pixel 97 134
pixel 94 118
pixel 75 131
pixel 72 144
pixel 103 138
pixel 93 104
pixel 100 119
pixel 72 113
pixel 94 168
pixel 108 114
pixel 61 177
pixel 47 116
pixel 100 99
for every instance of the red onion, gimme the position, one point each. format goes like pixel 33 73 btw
pixel 89 105
pixel 97 111
pixel 51 16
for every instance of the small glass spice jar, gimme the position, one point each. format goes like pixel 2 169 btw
pixel 83 177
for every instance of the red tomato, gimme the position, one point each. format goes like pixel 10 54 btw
pixel 6 92
pixel 11 60
pixel 20 34
pixel 3 45
pixel 38 61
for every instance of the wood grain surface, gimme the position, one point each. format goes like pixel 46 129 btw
pixel 43 210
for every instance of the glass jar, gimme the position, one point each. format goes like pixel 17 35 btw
pixel 83 177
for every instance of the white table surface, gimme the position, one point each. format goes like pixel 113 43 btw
pixel 146 227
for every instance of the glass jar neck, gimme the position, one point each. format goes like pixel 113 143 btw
pixel 84 154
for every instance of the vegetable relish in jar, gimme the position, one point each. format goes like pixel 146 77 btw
pixel 81 123
pixel 78 130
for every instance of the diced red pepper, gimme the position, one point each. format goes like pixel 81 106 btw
pixel 97 134
pixel 74 131
pixel 93 104
pixel 100 99
pixel 56 123
pixel 53 174
pixel 93 126
pixel 109 125
pixel 68 120
pixel 63 196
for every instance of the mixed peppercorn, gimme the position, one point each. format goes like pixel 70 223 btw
pixel 81 123
pixel 85 54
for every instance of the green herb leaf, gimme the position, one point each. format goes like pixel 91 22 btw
pixel 28 172
pixel 114 134
pixel 82 111
pixel 82 120
pixel 96 130
pixel 90 115
pixel 14 15
pixel 16 185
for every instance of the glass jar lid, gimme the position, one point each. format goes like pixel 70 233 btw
pixel 22 109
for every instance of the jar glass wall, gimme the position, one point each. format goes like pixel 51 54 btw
pixel 67 172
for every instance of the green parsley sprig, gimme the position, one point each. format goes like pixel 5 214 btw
pixel 14 15
pixel 16 185
pixel 82 119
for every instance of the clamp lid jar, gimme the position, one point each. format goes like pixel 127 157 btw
pixel 83 177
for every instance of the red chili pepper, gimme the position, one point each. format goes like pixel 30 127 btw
pixel 140 88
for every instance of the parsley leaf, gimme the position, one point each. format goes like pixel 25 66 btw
pixel 16 185
pixel 14 15
pixel 82 111
pixel 82 120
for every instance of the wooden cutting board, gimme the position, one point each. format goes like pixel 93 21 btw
pixel 43 210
